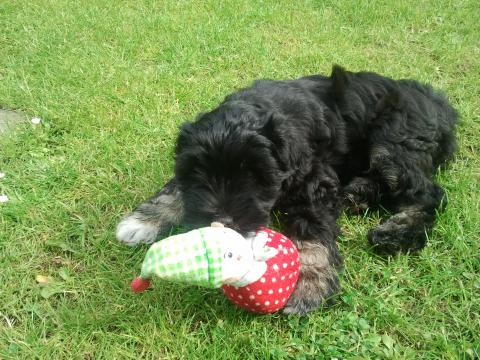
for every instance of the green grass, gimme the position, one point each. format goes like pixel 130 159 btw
pixel 112 80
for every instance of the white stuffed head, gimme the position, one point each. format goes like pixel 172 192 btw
pixel 236 251
pixel 243 259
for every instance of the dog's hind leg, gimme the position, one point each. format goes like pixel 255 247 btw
pixel 413 217
pixel 410 193
pixel 411 137
pixel 153 217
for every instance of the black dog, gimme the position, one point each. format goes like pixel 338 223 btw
pixel 306 148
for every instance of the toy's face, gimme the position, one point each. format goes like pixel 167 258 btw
pixel 237 257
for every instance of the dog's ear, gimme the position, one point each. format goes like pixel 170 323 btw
pixel 281 135
pixel 272 128
pixel 392 100
pixel 183 135
pixel 274 131
pixel 186 153
pixel 340 80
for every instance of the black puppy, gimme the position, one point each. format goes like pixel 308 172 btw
pixel 306 148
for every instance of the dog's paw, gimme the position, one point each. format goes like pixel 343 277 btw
pixel 400 232
pixel 313 291
pixel 133 231
pixel 300 306
pixel 359 193
pixel 355 204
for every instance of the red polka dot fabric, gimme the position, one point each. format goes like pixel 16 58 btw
pixel 271 292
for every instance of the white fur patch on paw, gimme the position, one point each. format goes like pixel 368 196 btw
pixel 132 231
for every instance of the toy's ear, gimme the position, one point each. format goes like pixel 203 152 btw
pixel 265 253
pixel 261 251
pixel 259 240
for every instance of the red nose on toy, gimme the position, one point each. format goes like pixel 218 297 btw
pixel 138 284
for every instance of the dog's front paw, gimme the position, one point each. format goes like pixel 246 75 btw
pixel 133 231
pixel 359 193
pixel 318 280
pixel 314 289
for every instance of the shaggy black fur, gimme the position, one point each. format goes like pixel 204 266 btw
pixel 306 148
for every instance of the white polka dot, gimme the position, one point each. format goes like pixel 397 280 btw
pixel 276 302
pixel 248 289
pixel 280 247
pixel 275 267
pixel 293 285
pixel 283 300
pixel 270 291
pixel 257 304
pixel 285 265
pixel 262 280
pixel 295 272
pixel 290 276
pixel 285 252
pixel 292 263
pixel 259 292
pixel 282 240
pixel 231 294
pixel 274 279
pixel 283 277
pixel 240 296
pixel 280 290
pixel 288 288
pixel 251 297
pixel 291 250
pixel 267 303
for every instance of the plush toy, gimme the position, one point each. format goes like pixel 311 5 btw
pixel 258 273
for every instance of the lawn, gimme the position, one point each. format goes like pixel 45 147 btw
pixel 112 80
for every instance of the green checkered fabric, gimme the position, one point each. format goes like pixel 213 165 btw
pixel 193 258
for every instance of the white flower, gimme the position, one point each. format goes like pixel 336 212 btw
pixel 2 175
pixel 35 121
pixel 3 198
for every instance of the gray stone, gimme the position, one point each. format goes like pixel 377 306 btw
pixel 10 119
